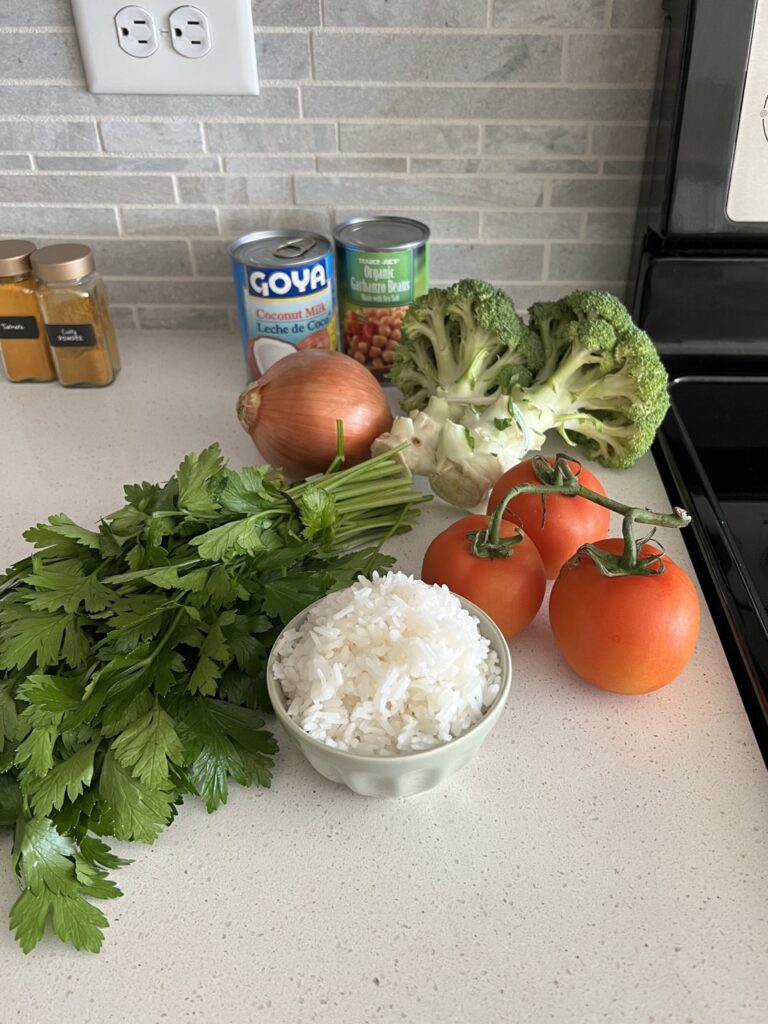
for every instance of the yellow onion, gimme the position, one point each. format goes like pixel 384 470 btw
pixel 291 411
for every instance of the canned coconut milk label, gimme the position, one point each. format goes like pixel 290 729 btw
pixel 285 295
pixel 383 266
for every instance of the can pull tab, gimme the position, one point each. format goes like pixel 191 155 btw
pixel 295 247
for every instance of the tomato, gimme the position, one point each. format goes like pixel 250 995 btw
pixel 569 523
pixel 627 634
pixel 509 590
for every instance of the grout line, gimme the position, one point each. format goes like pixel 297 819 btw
pixel 546 261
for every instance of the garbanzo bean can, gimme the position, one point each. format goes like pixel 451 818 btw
pixel 285 295
pixel 383 265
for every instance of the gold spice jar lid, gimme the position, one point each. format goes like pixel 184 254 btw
pixel 66 262
pixel 14 257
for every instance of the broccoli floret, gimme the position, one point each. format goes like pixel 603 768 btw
pixel 463 343
pixel 602 384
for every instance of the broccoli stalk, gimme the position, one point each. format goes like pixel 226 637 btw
pixel 462 458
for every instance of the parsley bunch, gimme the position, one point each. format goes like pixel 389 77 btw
pixel 132 660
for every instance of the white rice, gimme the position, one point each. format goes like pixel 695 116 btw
pixel 388 665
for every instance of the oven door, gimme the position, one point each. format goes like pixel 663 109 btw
pixel 711 103
pixel 712 452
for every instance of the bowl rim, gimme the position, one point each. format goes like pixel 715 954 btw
pixel 488 628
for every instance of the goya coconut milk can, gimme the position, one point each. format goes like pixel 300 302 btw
pixel 383 266
pixel 285 295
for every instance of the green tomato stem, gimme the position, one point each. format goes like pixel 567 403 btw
pixel 571 488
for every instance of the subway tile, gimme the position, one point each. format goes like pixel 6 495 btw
pixel 610 226
pixel 49 136
pixel 561 14
pixel 539 225
pixel 132 164
pixel 122 257
pixel 282 56
pixel 237 221
pixel 72 101
pixel 123 317
pixel 252 163
pixel 589 262
pixel 424 57
pixel 20 162
pixel 407 13
pixel 362 164
pixel 630 168
pixel 212 258
pixel 174 221
pixel 151 137
pixel 637 14
pixel 487 104
pixel 534 140
pixel 606 192
pixel 501 165
pixel 490 262
pixel 619 139
pixel 283 15
pixel 23 14
pixel 171 293
pixel 524 295
pixel 60 189
pixel 40 55
pixel 406 191
pixel 408 138
pixel 444 225
pixel 183 318
pixel 611 58
pixel 271 138
pixel 234 190
pixel 61 222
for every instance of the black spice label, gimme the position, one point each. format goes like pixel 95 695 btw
pixel 71 335
pixel 19 327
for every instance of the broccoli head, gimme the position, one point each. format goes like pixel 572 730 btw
pixel 601 384
pixel 463 343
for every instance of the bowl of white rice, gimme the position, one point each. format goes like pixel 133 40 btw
pixel 391 685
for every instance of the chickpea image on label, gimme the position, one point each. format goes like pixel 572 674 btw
pixel 371 335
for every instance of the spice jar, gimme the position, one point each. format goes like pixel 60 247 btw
pixel 77 320
pixel 23 345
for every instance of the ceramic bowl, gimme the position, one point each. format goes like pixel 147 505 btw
pixel 398 775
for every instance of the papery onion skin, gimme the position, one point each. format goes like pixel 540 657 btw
pixel 291 412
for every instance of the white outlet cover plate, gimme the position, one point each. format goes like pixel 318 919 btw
pixel 228 69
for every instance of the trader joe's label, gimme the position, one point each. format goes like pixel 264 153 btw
pixel 380 278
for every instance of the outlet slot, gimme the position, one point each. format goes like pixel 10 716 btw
pixel 136 32
pixel 190 33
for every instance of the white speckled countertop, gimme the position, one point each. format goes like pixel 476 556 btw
pixel 603 858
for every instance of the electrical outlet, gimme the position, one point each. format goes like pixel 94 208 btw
pixel 190 33
pixel 136 31
pixel 215 57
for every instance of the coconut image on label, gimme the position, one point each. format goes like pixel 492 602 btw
pixel 285 295
pixel 265 352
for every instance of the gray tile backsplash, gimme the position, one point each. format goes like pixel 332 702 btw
pixel 514 128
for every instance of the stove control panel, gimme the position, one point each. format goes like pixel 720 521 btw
pixel 748 189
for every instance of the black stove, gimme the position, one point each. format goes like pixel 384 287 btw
pixel 701 273
pixel 712 453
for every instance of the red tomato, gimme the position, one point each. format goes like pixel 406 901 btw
pixel 627 634
pixel 569 523
pixel 510 590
